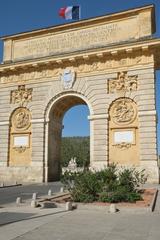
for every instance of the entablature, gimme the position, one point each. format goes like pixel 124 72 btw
pixel 146 47
pixel 82 36
pixel 137 55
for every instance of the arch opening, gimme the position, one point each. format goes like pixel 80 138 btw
pixel 55 129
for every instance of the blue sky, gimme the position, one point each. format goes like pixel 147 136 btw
pixel 25 15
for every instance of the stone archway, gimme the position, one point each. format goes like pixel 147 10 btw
pixel 78 66
pixel 55 114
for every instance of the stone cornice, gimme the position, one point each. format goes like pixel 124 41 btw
pixel 142 47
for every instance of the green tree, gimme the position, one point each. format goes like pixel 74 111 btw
pixel 75 147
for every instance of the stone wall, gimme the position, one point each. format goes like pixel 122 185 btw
pixel 92 87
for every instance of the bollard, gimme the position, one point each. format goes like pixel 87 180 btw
pixel 68 206
pixel 34 196
pixel 33 204
pixel 18 200
pixel 2 184
pixel 49 192
pixel 48 205
pixel 112 208
pixel 62 189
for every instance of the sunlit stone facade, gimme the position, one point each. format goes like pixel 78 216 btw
pixel 107 63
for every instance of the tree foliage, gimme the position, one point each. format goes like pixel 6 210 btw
pixel 75 147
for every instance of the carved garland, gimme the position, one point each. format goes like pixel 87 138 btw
pixel 20 149
pixel 123 146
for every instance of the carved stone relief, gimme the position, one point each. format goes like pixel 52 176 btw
pixel 123 111
pixel 67 78
pixel 123 146
pixel 21 96
pixel 20 149
pixel 123 83
pixel 21 119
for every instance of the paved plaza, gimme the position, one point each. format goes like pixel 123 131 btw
pixel 24 222
pixel 86 225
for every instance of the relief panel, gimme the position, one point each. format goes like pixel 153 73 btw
pixel 20 138
pixel 123 83
pixel 21 96
pixel 123 132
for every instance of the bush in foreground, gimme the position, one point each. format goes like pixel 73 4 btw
pixel 108 185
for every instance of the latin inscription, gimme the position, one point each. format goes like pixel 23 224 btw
pixel 76 40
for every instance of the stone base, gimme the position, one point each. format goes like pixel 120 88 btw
pixel 21 174
pixel 98 165
pixel 34 174
pixel 152 170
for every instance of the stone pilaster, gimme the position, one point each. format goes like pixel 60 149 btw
pixel 98 140
pixel 4 141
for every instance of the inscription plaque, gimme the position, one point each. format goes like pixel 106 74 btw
pixel 21 141
pixel 123 137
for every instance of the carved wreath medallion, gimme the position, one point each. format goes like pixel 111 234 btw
pixel 21 119
pixel 123 111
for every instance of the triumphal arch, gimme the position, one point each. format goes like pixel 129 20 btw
pixel 107 63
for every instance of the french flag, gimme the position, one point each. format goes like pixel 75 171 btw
pixel 71 12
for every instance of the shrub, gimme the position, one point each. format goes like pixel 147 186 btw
pixel 68 178
pixel 108 177
pixel 131 179
pixel 107 185
pixel 120 195
pixel 82 197
pixel 126 179
pixel 86 185
pixel 133 197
